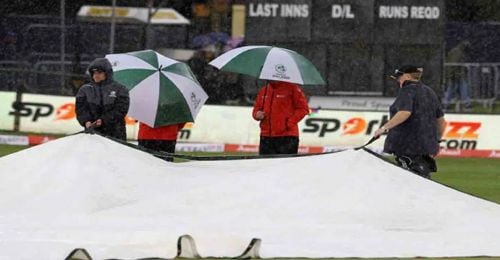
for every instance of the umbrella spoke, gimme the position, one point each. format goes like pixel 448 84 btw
pixel 248 62
pixel 272 63
pixel 182 70
pixel 131 77
pixel 172 106
pixel 123 61
pixel 166 62
pixel 147 56
pixel 144 99
pixel 163 91
pixel 308 72
pixel 193 94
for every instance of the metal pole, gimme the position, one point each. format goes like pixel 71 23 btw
pixel 148 24
pixel 63 36
pixel 112 30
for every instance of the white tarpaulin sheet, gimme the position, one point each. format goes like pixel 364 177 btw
pixel 85 191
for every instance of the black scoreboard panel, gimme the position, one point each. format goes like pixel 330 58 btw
pixel 342 20
pixel 409 21
pixel 355 44
pixel 353 68
pixel 278 21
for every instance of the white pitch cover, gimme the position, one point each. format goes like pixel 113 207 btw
pixel 85 191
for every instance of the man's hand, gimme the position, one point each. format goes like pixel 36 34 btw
pixel 88 124
pixel 380 131
pixel 260 115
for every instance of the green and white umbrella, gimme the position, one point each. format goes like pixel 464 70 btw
pixel 163 91
pixel 271 63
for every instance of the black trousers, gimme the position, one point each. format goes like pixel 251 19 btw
pixel 422 165
pixel 159 145
pixel 279 145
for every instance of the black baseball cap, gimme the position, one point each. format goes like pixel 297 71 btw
pixel 406 69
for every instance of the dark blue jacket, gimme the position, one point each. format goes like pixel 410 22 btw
pixel 107 100
pixel 418 135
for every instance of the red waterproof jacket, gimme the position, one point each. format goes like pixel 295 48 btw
pixel 284 106
pixel 168 132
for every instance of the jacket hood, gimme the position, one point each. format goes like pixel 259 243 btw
pixel 101 64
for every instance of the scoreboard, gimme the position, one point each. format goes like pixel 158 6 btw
pixel 355 44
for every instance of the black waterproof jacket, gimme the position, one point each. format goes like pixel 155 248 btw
pixel 107 100
pixel 418 135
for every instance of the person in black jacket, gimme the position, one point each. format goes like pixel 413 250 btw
pixel 102 104
pixel 416 125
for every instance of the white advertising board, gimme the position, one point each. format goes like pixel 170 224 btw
pixel 6 101
pixel 381 104
pixel 47 114
pixel 223 124
pixel 235 125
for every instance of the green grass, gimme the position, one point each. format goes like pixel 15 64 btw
pixel 8 149
pixel 477 176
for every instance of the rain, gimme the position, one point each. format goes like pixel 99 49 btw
pixel 345 53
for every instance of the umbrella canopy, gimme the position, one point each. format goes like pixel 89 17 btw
pixel 163 91
pixel 271 63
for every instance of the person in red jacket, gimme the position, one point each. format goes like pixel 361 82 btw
pixel 279 107
pixel 163 138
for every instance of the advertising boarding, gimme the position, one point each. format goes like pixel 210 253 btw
pixel 234 125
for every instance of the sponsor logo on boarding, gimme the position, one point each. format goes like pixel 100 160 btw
pixel 458 135
pixel 450 152
pixel 280 72
pixel 37 111
pixel 67 111
pixel 193 147
pixel 247 148
pixel 494 154
pixel 14 140
pixel 461 135
pixel 185 132
pixel 352 126
pixel 31 110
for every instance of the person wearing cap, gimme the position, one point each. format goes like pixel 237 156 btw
pixel 416 125
pixel 279 107
pixel 102 104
